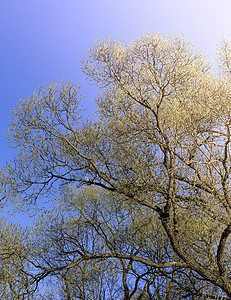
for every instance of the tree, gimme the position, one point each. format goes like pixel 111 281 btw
pixel 160 146
pixel 83 244
pixel 108 227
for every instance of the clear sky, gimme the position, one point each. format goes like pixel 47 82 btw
pixel 42 40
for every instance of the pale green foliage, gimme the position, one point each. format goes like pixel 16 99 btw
pixel 159 159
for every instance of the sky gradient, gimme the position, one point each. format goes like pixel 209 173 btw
pixel 43 40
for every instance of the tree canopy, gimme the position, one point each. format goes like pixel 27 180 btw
pixel 140 196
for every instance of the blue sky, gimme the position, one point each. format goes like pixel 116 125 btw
pixel 42 40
